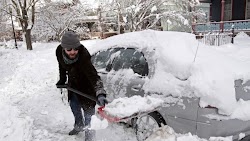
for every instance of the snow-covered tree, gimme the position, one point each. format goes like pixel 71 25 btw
pixel 53 18
pixel 180 14
pixel 146 14
pixel 24 11
pixel 5 28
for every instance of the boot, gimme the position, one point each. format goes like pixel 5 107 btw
pixel 90 135
pixel 76 130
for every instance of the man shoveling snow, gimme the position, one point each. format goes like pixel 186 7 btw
pixel 74 60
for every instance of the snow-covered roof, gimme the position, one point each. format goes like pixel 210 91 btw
pixel 87 19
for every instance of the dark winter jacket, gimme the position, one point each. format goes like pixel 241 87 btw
pixel 82 75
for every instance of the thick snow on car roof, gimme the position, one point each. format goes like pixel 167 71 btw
pixel 149 39
pixel 175 49
pixel 209 74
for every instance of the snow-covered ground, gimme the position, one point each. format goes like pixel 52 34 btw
pixel 33 109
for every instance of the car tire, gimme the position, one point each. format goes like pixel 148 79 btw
pixel 145 125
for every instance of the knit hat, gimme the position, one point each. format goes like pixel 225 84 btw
pixel 70 40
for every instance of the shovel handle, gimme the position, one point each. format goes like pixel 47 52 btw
pixel 101 111
pixel 78 92
pixel 62 86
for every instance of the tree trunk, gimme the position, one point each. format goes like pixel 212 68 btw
pixel 90 25
pixel 28 39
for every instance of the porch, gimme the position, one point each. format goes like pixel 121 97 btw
pixel 222 26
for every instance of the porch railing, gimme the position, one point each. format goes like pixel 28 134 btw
pixel 223 26
pixel 215 39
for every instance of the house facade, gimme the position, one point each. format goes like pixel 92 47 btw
pixel 228 10
pixel 224 16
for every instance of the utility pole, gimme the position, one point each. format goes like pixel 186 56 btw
pixel 118 21
pixel 222 15
pixel 14 34
pixel 99 11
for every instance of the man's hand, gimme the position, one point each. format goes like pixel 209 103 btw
pixel 101 100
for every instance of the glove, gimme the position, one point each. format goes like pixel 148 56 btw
pixel 60 82
pixel 101 100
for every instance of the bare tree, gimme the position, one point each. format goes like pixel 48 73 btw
pixel 25 13
pixel 5 28
pixel 53 18
pixel 146 14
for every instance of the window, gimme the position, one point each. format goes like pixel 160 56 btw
pixel 120 58
pixel 130 58
pixel 101 59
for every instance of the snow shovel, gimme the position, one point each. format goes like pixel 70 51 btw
pixel 103 113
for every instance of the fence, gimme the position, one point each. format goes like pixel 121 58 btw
pixel 215 39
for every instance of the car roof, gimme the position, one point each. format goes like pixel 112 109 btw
pixel 174 49
pixel 145 41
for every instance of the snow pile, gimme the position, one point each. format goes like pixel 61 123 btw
pixel 173 56
pixel 124 107
pixel 242 110
pixel 241 39
pixel 13 126
pixel 241 136
pixel 97 123
pixel 166 133
pixel 221 138
pixel 241 35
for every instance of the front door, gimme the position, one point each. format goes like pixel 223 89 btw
pixel 239 10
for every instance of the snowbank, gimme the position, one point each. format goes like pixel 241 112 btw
pixel 124 107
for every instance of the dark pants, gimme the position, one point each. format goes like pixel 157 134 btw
pixel 88 110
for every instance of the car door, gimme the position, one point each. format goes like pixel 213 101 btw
pixel 100 60
pixel 125 71
pixel 182 117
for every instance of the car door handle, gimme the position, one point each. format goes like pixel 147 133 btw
pixel 135 88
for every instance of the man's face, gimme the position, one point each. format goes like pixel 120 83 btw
pixel 71 52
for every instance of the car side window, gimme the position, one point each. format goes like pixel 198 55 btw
pixel 131 58
pixel 101 59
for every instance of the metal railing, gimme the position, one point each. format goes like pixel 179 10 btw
pixel 215 39
pixel 223 26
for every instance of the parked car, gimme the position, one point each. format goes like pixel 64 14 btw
pixel 115 57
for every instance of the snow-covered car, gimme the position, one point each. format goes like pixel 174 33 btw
pixel 193 79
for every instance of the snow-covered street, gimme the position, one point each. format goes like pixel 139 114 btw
pixel 32 107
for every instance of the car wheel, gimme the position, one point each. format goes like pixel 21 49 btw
pixel 145 125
